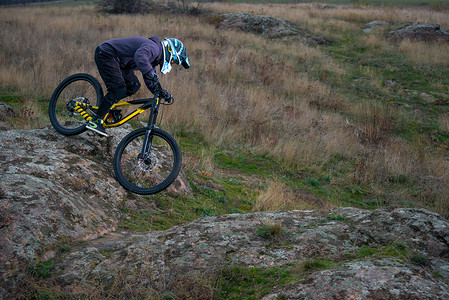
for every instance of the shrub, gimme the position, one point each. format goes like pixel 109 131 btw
pixel 124 6
pixel 145 6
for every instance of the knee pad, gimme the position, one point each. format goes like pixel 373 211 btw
pixel 133 88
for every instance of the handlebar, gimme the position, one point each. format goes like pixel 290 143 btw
pixel 165 101
pixel 169 101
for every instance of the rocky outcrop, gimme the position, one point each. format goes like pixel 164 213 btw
pixel 375 279
pixel 55 189
pixel 272 28
pixel 60 191
pixel 6 112
pixel 373 25
pixel 382 254
pixel 430 32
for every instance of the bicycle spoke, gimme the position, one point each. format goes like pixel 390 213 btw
pixel 76 88
pixel 155 170
pixel 151 170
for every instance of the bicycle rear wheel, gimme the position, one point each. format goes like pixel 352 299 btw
pixel 76 88
pixel 156 171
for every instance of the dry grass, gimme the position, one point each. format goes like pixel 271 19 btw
pixel 376 121
pixel 313 15
pixel 274 198
pixel 206 163
pixel 141 281
pixel 278 196
pixel 376 39
pixel 241 89
pixel 244 91
pixel 444 123
pixel 29 116
pixel 425 53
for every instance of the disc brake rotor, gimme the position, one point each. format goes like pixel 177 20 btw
pixel 149 164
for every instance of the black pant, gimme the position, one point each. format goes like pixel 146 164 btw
pixel 120 83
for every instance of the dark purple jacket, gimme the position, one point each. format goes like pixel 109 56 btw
pixel 136 53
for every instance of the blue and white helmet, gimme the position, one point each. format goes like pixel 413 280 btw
pixel 174 52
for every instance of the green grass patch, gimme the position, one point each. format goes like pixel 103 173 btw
pixel 237 282
pixel 41 269
pixel 336 217
pixel 246 162
pixel 250 283
pixel 10 99
pixel 171 210
pixel 272 231
pixel 64 248
pixel 420 260
pixel 366 251
pixel 391 250
pixel 367 65
pixel 213 195
pixel 175 209
pixel 314 265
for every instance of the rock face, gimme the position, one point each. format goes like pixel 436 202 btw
pixel 6 112
pixel 56 189
pixel 273 28
pixel 397 254
pixel 430 32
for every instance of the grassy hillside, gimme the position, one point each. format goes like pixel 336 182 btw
pixel 434 3
pixel 265 124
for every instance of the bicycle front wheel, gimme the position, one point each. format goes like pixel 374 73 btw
pixel 76 88
pixel 156 170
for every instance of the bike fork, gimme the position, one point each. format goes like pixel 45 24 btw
pixel 147 142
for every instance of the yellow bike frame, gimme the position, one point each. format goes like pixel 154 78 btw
pixel 79 108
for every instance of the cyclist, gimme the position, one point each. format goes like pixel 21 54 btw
pixel 116 61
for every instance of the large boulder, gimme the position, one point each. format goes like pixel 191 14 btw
pixel 430 32
pixel 380 254
pixel 56 189
pixel 60 206
pixel 272 28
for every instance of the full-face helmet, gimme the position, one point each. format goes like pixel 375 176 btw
pixel 174 52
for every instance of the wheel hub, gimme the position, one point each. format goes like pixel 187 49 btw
pixel 149 163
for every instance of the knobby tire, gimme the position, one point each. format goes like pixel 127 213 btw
pixel 74 86
pixel 166 157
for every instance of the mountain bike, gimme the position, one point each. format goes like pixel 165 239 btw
pixel 147 160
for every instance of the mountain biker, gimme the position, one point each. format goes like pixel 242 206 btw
pixel 116 61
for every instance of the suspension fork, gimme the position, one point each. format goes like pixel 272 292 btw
pixel 148 140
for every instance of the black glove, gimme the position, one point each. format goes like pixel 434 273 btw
pixel 168 98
